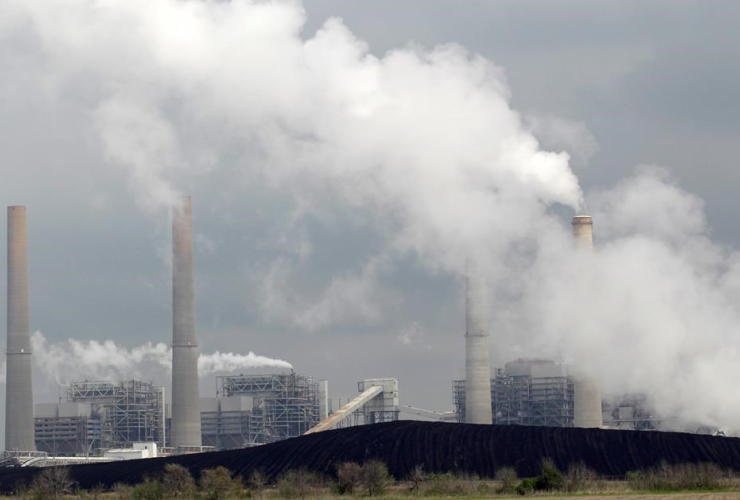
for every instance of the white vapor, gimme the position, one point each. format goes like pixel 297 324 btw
pixel 94 360
pixel 422 145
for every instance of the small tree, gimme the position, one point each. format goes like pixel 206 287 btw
pixel 217 484
pixel 52 483
pixel 551 478
pixel 416 477
pixel 148 490
pixel 508 479
pixel 349 477
pixel 297 483
pixel 257 482
pixel 177 482
pixel 375 477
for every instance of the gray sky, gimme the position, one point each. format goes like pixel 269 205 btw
pixel 616 84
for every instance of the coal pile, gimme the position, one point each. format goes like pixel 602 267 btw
pixel 439 447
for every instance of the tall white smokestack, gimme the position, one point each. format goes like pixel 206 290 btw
pixel 185 397
pixel 587 391
pixel 19 430
pixel 477 368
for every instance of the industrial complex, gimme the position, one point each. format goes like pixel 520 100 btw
pixel 120 419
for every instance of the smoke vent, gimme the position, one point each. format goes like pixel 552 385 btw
pixel 587 391
pixel 19 431
pixel 477 368
pixel 185 397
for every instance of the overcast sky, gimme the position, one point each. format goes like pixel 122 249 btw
pixel 616 84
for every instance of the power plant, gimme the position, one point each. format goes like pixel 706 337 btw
pixel 114 420
pixel 18 382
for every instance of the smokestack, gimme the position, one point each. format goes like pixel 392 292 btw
pixel 185 397
pixel 19 430
pixel 587 391
pixel 477 368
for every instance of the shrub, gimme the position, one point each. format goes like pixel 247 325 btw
pixel 257 482
pixel 349 477
pixel 297 484
pixel 177 482
pixel 580 477
pixel 52 482
pixel 217 484
pixel 677 477
pixel 416 477
pixel 508 479
pixel 551 478
pixel 122 491
pixel 449 484
pixel 527 486
pixel 375 477
pixel 148 490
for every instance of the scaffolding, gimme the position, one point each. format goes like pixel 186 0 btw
pixel 526 392
pixel 283 405
pixel 130 411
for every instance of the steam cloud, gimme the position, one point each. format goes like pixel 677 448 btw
pixel 93 360
pixel 426 142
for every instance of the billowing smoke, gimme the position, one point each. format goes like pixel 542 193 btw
pixel 93 360
pixel 425 147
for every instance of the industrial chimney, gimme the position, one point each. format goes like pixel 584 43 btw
pixel 19 431
pixel 185 397
pixel 477 368
pixel 587 392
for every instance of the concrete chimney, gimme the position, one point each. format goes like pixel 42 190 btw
pixel 477 368
pixel 185 397
pixel 587 391
pixel 19 430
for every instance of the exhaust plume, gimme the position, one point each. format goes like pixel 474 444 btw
pixel 93 360
pixel 419 146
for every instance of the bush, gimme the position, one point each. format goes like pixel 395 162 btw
pixel 349 477
pixel 122 491
pixel 257 482
pixel 297 484
pixel 508 479
pixel 416 477
pixel 449 484
pixel 580 477
pixel 177 482
pixel 677 477
pixel 551 478
pixel 527 486
pixel 217 484
pixel 148 490
pixel 52 482
pixel 375 477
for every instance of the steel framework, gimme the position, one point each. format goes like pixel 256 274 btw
pixel 131 411
pixel 524 400
pixel 284 405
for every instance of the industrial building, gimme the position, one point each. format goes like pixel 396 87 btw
pixel 526 392
pixel 98 416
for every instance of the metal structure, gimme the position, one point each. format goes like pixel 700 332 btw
pixel 376 403
pixel 631 412
pixel 477 368
pixel 19 427
pixel 225 422
pixel 101 415
pixel 186 430
pixel 587 389
pixel 526 392
pixel 283 405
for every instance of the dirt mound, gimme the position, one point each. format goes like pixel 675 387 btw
pixel 439 447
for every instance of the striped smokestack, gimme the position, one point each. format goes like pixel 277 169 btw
pixel 185 397
pixel 19 431
pixel 587 391
pixel 477 369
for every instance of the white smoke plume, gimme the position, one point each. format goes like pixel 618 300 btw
pixel 427 144
pixel 94 360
